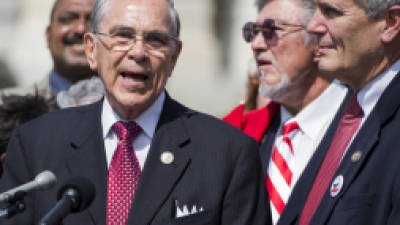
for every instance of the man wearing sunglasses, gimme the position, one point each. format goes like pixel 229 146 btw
pixel 152 160
pixel 294 130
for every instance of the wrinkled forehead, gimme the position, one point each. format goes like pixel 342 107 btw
pixel 138 14
pixel 284 11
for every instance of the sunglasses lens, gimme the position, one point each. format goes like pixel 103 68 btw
pixel 268 28
pixel 249 31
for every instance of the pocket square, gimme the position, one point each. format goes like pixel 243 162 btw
pixel 186 212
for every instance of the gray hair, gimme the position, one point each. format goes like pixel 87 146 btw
pixel 374 8
pixel 304 17
pixel 82 93
pixel 100 7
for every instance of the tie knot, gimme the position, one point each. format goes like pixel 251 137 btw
pixel 353 108
pixel 289 127
pixel 126 130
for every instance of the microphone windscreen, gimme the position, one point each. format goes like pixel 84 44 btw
pixel 85 189
pixel 46 179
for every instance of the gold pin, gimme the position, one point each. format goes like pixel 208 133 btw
pixel 167 157
pixel 356 156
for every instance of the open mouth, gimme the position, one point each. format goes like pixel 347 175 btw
pixel 134 76
pixel 263 62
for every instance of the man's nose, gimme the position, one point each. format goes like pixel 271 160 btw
pixel 259 43
pixel 316 24
pixel 137 51
pixel 81 25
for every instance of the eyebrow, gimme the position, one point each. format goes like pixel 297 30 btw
pixel 325 5
pixel 121 28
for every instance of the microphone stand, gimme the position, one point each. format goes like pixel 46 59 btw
pixel 16 205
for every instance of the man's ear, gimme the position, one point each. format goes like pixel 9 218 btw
pixel 392 24
pixel 176 53
pixel 89 40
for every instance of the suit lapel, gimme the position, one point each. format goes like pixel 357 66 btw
pixel 88 158
pixel 268 142
pixel 158 179
pixel 364 143
pixel 300 191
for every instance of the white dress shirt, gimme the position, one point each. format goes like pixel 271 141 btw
pixel 369 95
pixel 148 121
pixel 313 121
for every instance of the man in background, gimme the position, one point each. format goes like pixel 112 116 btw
pixel 296 127
pixel 69 21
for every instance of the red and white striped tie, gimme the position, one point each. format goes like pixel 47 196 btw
pixel 280 170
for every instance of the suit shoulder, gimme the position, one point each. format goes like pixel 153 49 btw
pixel 202 122
pixel 59 118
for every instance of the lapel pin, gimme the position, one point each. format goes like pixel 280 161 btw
pixel 337 185
pixel 356 156
pixel 167 157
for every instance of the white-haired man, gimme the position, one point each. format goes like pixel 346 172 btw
pixel 294 130
pixel 183 167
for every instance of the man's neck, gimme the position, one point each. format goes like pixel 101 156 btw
pixel 306 94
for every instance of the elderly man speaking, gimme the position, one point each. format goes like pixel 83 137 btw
pixel 152 160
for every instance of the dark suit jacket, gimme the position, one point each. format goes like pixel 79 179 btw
pixel 300 191
pixel 371 188
pixel 215 167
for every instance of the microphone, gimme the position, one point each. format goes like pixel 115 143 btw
pixel 74 196
pixel 42 181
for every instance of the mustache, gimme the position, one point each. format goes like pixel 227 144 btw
pixel 273 61
pixel 73 39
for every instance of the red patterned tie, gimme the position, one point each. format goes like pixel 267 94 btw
pixel 123 174
pixel 348 125
pixel 280 173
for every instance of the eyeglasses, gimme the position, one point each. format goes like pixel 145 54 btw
pixel 268 29
pixel 153 41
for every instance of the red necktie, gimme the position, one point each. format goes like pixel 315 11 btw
pixel 279 177
pixel 123 174
pixel 349 124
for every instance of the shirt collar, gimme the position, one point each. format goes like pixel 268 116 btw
pixel 369 95
pixel 58 83
pixel 318 112
pixel 147 120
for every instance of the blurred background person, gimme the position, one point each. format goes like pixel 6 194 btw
pixel 69 20
pixel 16 110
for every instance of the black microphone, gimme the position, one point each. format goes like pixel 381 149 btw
pixel 42 181
pixel 74 196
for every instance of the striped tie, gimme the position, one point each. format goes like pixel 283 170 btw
pixel 280 170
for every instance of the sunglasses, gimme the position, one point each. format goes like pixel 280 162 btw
pixel 268 29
